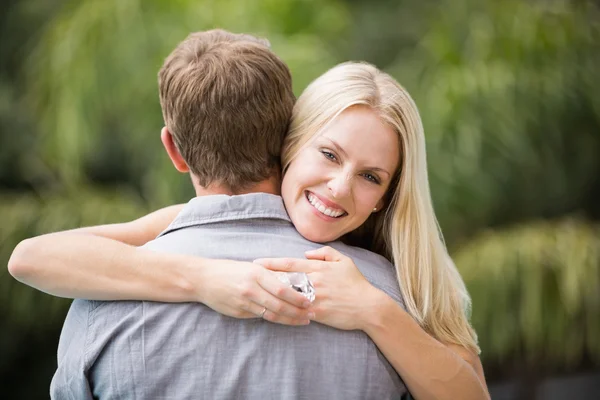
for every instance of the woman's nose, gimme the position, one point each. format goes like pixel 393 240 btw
pixel 340 186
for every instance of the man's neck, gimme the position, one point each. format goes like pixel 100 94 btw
pixel 271 185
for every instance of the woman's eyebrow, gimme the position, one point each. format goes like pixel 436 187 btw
pixel 343 153
pixel 380 170
pixel 337 146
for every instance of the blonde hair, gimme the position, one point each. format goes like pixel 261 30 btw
pixel 406 232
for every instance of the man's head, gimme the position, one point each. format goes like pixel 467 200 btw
pixel 227 101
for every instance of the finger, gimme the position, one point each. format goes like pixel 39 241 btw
pixel 256 310
pixel 324 254
pixel 245 311
pixel 279 319
pixel 259 295
pixel 283 308
pixel 286 264
pixel 246 315
pixel 269 282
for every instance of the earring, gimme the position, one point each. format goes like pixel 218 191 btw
pixel 375 209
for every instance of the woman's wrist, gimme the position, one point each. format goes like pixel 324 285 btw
pixel 175 277
pixel 188 279
pixel 376 306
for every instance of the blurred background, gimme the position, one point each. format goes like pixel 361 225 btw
pixel 509 92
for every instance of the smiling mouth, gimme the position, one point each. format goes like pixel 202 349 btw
pixel 322 208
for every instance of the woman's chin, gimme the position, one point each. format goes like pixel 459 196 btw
pixel 314 235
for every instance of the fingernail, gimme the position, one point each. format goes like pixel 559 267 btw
pixel 311 315
pixel 306 304
pixel 307 322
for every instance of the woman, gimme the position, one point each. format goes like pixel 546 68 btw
pixel 354 168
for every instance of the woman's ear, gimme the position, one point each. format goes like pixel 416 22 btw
pixel 167 140
pixel 379 206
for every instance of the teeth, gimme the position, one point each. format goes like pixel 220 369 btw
pixel 330 212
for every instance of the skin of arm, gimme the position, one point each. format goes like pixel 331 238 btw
pixel 452 371
pixel 108 266
pixel 137 232
pixel 82 265
pixel 102 263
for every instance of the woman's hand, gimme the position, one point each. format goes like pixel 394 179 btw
pixel 244 290
pixel 344 298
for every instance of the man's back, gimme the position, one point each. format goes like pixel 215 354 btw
pixel 178 351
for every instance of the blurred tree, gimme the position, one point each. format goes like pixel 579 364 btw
pixel 20 28
pixel 507 93
pixel 544 303
pixel 536 299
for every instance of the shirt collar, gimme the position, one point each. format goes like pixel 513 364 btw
pixel 221 208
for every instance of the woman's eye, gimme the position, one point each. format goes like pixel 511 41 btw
pixel 371 178
pixel 329 155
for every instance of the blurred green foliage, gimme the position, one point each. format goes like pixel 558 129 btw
pixel 510 97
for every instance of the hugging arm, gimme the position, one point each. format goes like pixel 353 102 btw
pixel 430 369
pixel 103 263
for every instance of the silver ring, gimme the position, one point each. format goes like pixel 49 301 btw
pixel 262 314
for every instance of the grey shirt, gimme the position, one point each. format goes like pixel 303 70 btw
pixel 150 350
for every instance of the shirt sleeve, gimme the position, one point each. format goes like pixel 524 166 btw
pixel 70 380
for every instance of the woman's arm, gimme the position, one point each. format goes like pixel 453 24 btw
pixel 137 232
pixel 430 369
pixel 101 263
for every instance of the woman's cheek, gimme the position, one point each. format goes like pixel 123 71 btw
pixel 362 195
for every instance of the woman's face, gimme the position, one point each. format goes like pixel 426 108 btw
pixel 331 187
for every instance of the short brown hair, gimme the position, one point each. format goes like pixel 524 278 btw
pixel 227 100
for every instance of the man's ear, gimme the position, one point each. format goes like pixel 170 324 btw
pixel 174 155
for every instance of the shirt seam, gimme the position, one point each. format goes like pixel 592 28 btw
pixel 86 358
pixel 223 217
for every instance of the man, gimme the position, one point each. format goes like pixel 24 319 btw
pixel 226 102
